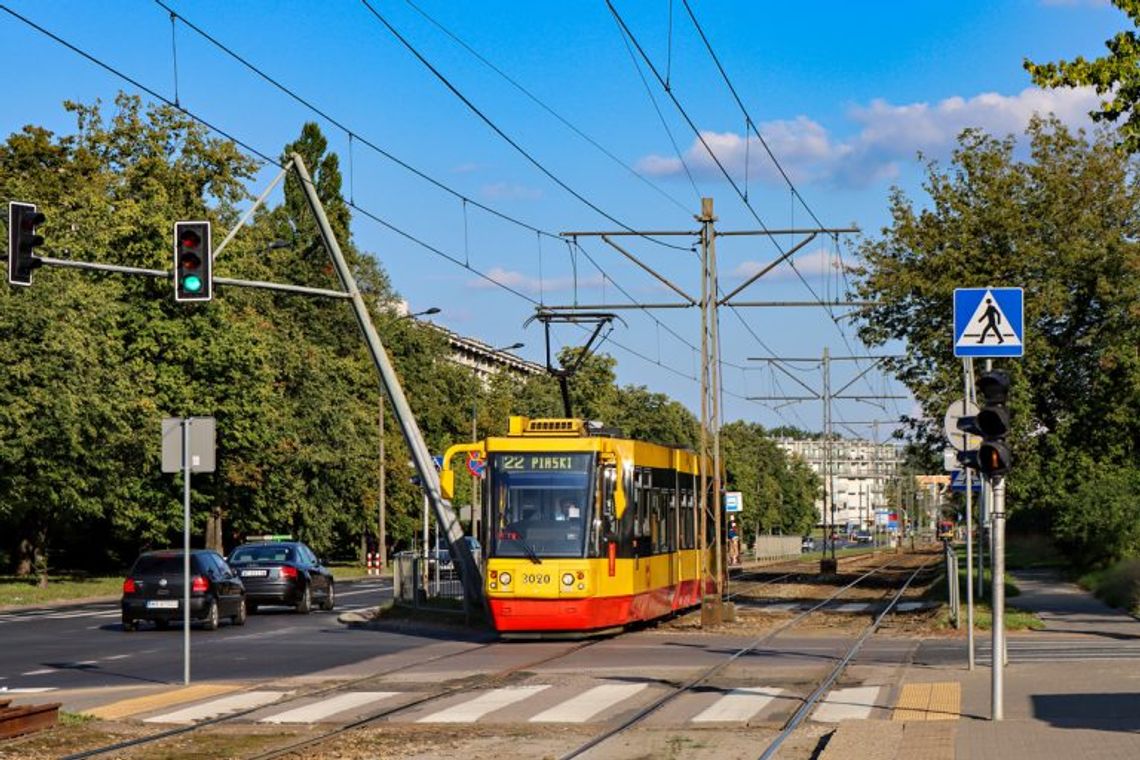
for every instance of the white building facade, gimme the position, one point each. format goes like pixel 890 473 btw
pixel 862 476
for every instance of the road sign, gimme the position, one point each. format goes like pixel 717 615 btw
pixel 959 439
pixel 958 482
pixel 476 464
pixel 733 501
pixel 202 437
pixel 988 322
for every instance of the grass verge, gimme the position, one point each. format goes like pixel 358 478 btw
pixel 20 591
pixel 1118 585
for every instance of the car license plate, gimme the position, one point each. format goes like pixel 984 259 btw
pixel 162 604
pixel 254 573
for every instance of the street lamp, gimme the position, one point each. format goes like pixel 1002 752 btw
pixel 476 501
pixel 383 547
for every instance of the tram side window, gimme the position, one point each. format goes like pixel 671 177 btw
pixel 688 516
pixel 642 530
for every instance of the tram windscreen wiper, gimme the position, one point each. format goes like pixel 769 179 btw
pixel 529 551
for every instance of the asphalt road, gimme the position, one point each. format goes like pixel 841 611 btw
pixel 84 646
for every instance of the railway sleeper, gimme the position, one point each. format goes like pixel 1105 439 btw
pixel 25 719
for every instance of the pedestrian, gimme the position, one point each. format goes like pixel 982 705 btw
pixel 733 543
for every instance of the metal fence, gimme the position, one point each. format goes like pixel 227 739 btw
pixel 417 580
pixel 952 584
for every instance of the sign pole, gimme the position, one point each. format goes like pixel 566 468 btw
pixel 186 550
pixel 968 369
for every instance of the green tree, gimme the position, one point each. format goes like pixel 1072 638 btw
pixel 1059 223
pixel 1115 76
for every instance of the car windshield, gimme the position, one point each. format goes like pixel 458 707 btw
pixel 263 553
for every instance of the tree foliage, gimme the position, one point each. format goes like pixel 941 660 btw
pixel 1115 76
pixel 1061 223
pixel 93 362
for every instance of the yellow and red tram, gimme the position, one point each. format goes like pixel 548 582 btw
pixel 587 531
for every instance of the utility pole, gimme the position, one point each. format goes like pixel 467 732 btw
pixel 827 396
pixel 708 303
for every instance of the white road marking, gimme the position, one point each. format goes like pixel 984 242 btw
pixel 38 690
pixel 117 657
pixel 474 709
pixel 589 703
pixel 342 594
pixel 847 704
pixel 314 712
pixel 738 705
pixel 221 706
pixel 39 672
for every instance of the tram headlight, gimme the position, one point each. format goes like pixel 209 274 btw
pixel 568 579
pixel 505 578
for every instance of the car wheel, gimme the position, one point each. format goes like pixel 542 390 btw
pixel 251 608
pixel 129 626
pixel 306 602
pixel 330 598
pixel 239 618
pixel 210 623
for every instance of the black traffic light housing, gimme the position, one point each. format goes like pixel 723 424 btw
pixel 23 241
pixel 193 262
pixel 993 456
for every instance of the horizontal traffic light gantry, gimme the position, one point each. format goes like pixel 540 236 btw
pixel 992 422
pixel 193 276
pixel 23 241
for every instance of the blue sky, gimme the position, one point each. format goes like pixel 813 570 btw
pixel 844 93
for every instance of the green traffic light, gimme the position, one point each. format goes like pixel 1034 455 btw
pixel 192 283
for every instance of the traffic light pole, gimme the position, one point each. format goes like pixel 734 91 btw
pixel 998 597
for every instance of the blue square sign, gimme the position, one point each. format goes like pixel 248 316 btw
pixel 989 322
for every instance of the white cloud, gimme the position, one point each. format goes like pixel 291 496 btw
pixel 886 135
pixel 528 284
pixel 811 264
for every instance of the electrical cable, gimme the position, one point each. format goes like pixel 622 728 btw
pixel 499 131
pixel 541 104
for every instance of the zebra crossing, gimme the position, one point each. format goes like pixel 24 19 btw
pixel 537 703
pixel 1068 650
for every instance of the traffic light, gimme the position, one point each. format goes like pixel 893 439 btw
pixel 193 279
pixel 23 241
pixel 993 456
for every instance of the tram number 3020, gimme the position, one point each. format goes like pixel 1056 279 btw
pixel 535 578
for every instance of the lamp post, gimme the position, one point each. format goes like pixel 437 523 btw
pixel 383 538
pixel 476 501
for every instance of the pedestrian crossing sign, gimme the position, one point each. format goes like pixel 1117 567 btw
pixel 988 322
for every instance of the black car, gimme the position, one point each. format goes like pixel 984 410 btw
pixel 153 590
pixel 283 572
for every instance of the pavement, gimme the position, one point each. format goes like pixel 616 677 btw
pixel 1071 691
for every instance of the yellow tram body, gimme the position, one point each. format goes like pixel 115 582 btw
pixel 586 531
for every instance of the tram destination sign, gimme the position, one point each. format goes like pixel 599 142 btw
pixel 543 462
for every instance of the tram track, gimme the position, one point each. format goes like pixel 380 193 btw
pixel 313 743
pixel 809 702
pixel 345 687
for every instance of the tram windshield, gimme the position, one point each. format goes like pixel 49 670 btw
pixel 540 504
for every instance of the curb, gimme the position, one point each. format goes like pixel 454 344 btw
pixel 61 604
